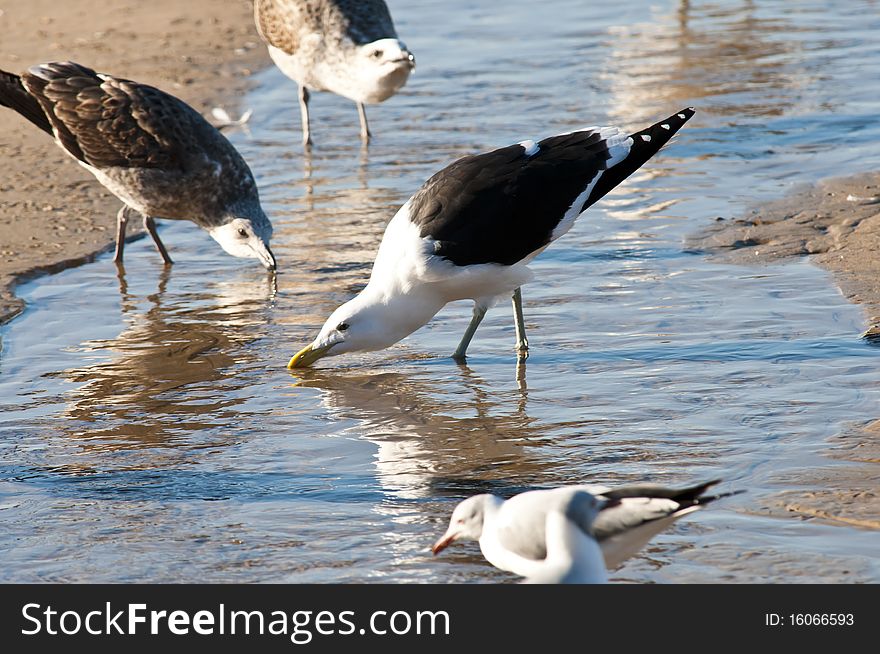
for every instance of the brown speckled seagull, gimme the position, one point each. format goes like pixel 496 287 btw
pixel 151 150
pixel 348 47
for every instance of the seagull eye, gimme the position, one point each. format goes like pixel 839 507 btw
pixel 242 232
pixel 460 521
pixel 342 326
pixel 376 54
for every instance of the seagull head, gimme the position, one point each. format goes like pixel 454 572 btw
pixel 373 320
pixel 355 326
pixel 388 63
pixel 246 236
pixel 466 522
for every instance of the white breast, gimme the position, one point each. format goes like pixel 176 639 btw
pixel 405 260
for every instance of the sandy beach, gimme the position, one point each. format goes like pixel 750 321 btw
pixel 53 213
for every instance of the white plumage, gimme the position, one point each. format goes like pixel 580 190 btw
pixel 573 533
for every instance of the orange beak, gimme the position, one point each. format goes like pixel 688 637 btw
pixel 445 541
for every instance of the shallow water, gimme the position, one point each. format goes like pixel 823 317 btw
pixel 150 431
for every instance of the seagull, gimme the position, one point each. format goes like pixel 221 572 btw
pixel 347 47
pixel 470 231
pixel 151 150
pixel 552 536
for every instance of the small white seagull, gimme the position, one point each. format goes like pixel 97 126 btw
pixel 471 230
pixel 573 533
pixel 347 47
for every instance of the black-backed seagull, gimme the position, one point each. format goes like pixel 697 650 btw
pixel 471 229
pixel 347 47
pixel 151 150
pixel 546 535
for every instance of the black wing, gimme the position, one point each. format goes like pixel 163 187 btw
pixel 651 504
pixel 106 121
pixel 501 206
pixel 684 496
pixel 646 144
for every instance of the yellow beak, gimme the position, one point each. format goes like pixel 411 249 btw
pixel 308 355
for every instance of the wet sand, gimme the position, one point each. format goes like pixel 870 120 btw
pixel 53 213
pixel 837 223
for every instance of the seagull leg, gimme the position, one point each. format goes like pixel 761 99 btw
pixel 121 224
pixel 304 115
pixel 365 129
pixel 521 378
pixel 150 226
pixel 461 351
pixel 522 343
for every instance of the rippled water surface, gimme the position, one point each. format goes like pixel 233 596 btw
pixel 150 432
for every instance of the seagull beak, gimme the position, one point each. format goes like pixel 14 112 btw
pixel 407 58
pixel 443 542
pixel 264 254
pixel 308 355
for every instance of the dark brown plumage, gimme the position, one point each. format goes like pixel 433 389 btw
pixel 150 149
pixel 15 96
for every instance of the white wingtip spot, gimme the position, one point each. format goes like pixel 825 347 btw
pixel 646 137
pixel 531 148
pixel 665 126
pixel 682 116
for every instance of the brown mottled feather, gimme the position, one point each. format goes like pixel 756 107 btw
pixel 272 18
pixel 284 23
pixel 113 122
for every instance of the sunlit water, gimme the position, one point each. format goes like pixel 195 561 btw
pixel 150 431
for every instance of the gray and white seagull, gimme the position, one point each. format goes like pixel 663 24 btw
pixel 570 534
pixel 471 230
pixel 151 150
pixel 347 47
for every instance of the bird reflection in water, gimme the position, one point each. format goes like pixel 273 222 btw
pixel 434 437
pixel 310 181
pixel 732 59
pixel 166 375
